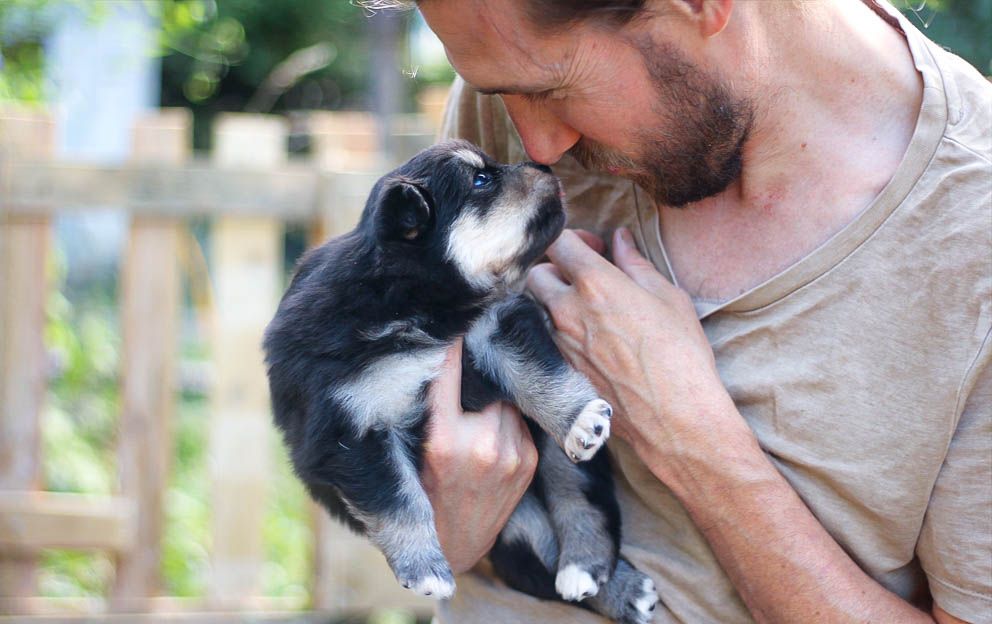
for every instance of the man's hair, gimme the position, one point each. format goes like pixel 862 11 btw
pixel 549 15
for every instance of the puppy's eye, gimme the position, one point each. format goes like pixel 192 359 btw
pixel 481 180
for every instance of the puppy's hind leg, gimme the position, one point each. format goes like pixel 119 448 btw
pixel 407 535
pixel 629 597
pixel 525 554
pixel 585 516
pixel 377 479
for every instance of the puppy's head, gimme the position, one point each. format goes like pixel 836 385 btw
pixel 451 204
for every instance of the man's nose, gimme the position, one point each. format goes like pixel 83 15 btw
pixel 545 137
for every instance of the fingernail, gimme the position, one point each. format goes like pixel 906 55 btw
pixel 625 237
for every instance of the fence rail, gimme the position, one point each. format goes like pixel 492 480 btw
pixel 250 188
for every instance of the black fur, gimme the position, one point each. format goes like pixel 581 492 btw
pixel 366 309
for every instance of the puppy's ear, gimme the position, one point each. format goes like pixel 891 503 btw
pixel 405 210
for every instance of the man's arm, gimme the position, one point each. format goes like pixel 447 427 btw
pixel 650 358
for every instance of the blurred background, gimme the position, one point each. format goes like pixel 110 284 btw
pixel 141 403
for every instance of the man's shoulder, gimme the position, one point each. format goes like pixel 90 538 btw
pixel 969 103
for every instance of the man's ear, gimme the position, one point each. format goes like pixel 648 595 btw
pixel 405 210
pixel 713 15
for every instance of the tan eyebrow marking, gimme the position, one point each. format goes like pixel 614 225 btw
pixel 471 158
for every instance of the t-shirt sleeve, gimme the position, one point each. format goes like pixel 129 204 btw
pixel 955 546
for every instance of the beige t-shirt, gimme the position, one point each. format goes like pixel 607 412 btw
pixel 863 369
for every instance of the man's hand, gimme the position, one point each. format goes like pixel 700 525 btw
pixel 637 338
pixel 476 467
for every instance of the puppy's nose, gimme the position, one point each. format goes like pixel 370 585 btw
pixel 539 166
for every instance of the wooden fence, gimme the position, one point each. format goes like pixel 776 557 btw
pixel 250 189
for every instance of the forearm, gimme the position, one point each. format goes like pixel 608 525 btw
pixel 783 563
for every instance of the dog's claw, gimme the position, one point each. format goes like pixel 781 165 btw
pixel 589 431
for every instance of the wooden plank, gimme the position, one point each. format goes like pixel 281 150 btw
pixel 23 254
pixel 343 199
pixel 431 102
pixel 94 611
pixel 31 521
pixel 247 270
pixel 345 141
pixel 352 575
pixel 346 150
pixel 150 292
pixel 288 191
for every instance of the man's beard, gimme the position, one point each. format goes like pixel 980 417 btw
pixel 696 151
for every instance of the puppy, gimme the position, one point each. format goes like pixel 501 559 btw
pixel 440 252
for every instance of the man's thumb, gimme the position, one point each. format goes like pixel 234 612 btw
pixel 630 261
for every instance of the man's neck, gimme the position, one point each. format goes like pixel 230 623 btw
pixel 838 67
pixel 836 98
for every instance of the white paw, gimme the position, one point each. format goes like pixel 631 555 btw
pixel 645 603
pixel 574 583
pixel 590 431
pixel 433 586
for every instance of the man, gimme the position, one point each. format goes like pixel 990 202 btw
pixel 803 421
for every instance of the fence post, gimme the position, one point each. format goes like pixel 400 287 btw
pixel 150 292
pixel 24 243
pixel 247 271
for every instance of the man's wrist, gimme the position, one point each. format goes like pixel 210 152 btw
pixel 715 453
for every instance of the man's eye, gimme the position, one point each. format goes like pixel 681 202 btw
pixel 481 179
pixel 539 96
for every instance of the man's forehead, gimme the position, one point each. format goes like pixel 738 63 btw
pixel 489 42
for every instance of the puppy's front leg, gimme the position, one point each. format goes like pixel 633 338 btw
pixel 511 345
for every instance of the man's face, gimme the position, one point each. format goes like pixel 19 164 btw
pixel 618 100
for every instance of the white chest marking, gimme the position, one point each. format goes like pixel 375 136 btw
pixel 385 394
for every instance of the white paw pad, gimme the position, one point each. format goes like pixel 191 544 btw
pixel 574 583
pixel 590 431
pixel 433 586
pixel 645 603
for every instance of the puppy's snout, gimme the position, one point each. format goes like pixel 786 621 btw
pixel 539 166
pixel 540 178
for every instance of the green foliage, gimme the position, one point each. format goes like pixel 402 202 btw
pixel 186 539
pixel 962 26
pixel 287 532
pixel 83 341
pixel 73 574
pixel 23 23
pixel 224 50
pixel 79 425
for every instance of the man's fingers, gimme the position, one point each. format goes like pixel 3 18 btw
pixel 629 260
pixel 596 243
pixel 446 390
pixel 546 283
pixel 573 256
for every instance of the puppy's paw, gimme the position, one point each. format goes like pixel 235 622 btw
pixel 590 431
pixel 573 583
pixel 641 602
pixel 433 579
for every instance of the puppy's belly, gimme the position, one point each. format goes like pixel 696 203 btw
pixel 384 394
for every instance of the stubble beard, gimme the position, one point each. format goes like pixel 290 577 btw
pixel 696 150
